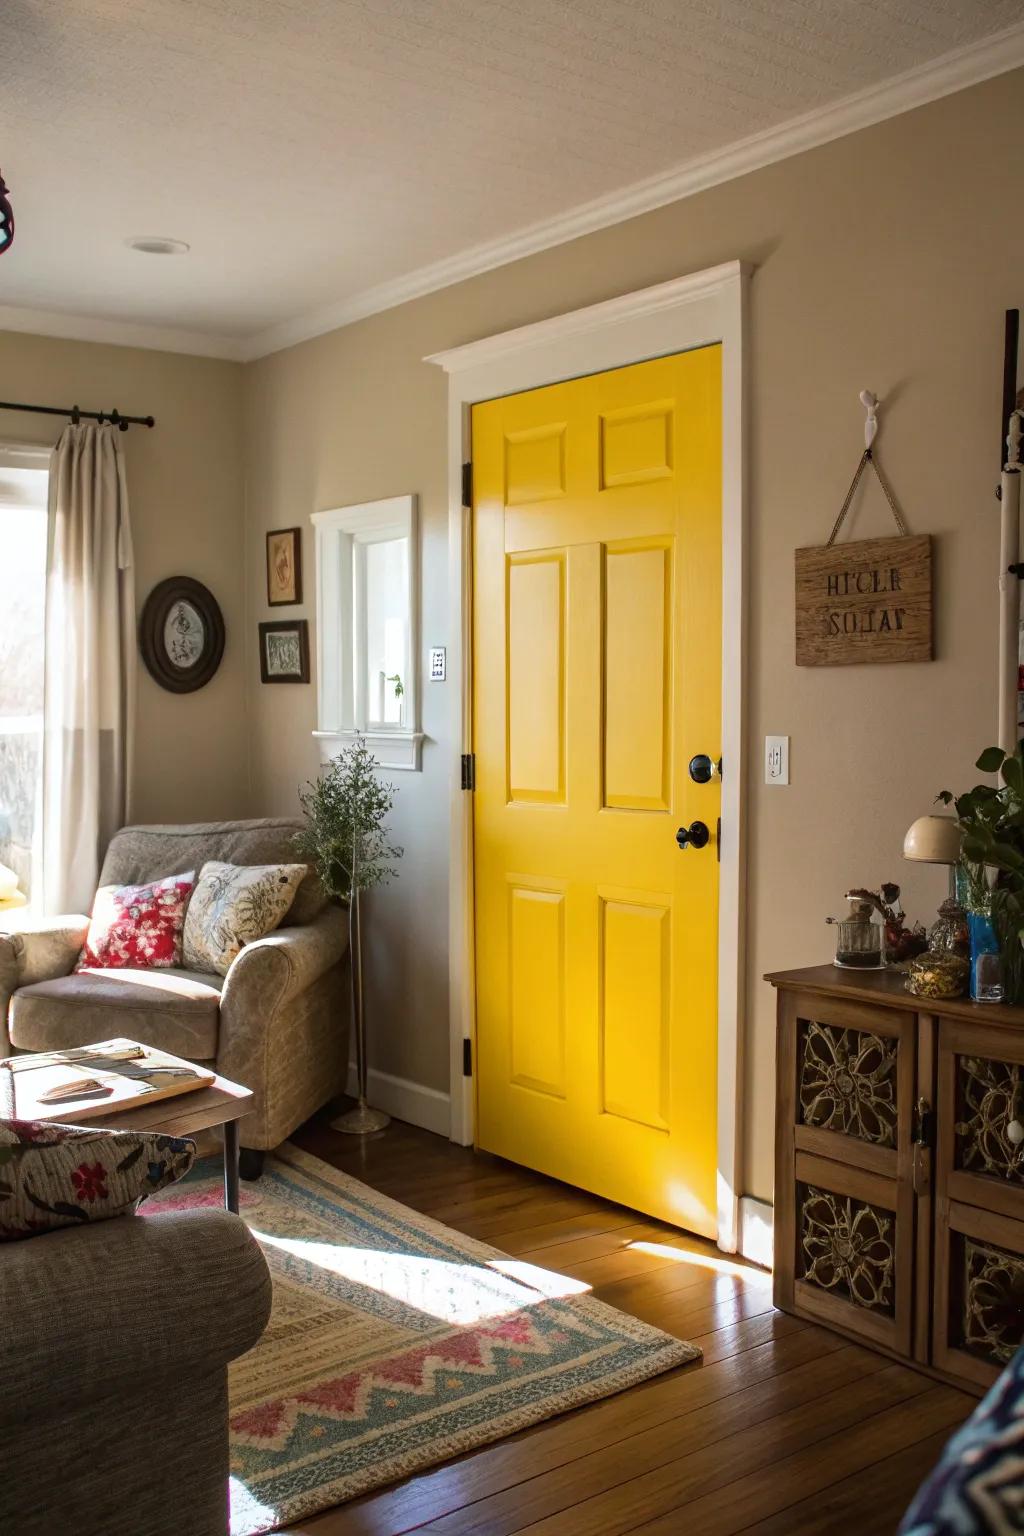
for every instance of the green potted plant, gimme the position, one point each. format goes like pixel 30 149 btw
pixel 991 818
pixel 346 840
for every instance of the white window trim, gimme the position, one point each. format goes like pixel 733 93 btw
pixel 340 531
pixel 693 311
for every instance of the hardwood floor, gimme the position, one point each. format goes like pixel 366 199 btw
pixel 783 1430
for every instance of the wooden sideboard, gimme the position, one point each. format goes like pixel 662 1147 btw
pixel 899 1169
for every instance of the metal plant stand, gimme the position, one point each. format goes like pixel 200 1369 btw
pixel 364 1119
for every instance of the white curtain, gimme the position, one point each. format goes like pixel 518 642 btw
pixel 89 663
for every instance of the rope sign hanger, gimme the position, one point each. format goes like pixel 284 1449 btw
pixel 870 404
pixel 868 600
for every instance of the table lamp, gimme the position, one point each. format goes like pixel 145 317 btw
pixel 934 840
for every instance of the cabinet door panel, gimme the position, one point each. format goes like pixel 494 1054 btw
pixel 980 1156
pixel 853 1237
pixel 854 1082
pixel 979 1292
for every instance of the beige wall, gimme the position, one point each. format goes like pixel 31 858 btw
pixel 884 261
pixel 185 492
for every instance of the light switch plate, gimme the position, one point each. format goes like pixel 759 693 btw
pixel 776 759
pixel 437 663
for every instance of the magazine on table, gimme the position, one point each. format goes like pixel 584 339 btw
pixel 94 1080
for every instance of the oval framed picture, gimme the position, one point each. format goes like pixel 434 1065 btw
pixel 181 634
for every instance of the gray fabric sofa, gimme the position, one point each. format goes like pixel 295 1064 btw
pixel 114 1348
pixel 277 1023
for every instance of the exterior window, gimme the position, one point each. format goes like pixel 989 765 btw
pixel 23 529
pixel 367 649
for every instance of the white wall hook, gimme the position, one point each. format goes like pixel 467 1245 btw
pixel 870 404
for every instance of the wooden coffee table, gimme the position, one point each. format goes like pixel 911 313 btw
pixel 221 1103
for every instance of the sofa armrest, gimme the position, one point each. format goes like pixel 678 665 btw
pixel 273 971
pixel 39 951
pixel 36 951
pixel 87 1308
pixel 271 1017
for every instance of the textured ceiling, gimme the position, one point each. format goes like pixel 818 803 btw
pixel 311 149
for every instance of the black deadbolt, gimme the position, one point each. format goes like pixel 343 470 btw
pixel 702 769
pixel 695 835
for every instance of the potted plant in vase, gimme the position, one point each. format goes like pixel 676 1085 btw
pixel 346 841
pixel 991 819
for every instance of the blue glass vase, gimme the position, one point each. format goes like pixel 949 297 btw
pixel 986 967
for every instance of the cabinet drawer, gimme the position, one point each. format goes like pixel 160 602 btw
pixel 980 1151
pixel 852 1251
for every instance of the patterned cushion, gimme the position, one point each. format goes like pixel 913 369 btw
pixel 137 926
pixel 62 1175
pixel 234 905
pixel 975 1490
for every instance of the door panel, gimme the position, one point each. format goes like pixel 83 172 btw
pixel 597 676
pixel 637 628
pixel 536 678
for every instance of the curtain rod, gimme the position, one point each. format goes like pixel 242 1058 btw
pixel 114 417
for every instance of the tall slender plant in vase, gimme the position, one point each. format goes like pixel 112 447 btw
pixel 345 838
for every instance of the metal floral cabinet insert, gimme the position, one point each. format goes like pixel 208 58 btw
pixel 899 1199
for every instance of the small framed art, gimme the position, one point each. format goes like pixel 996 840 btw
pixel 284 567
pixel 284 652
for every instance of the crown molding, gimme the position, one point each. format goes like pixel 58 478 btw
pixel 595 317
pixel 119 333
pixel 952 72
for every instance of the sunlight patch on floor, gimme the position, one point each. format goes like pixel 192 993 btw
pixel 247 1513
pixel 720 1266
pixel 461 1294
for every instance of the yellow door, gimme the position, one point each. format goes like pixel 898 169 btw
pixel 597 678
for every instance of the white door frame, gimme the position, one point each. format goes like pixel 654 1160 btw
pixel 693 311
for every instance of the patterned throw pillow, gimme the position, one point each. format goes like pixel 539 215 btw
pixel 64 1175
pixel 975 1490
pixel 137 926
pixel 234 905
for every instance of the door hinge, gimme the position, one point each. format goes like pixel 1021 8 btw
pixel 469 770
pixel 467 1058
pixel 467 485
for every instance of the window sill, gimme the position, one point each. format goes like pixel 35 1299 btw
pixel 392 749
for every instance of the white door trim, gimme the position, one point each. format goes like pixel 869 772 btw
pixel 692 311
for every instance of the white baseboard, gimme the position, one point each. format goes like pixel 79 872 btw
pixel 396 1096
pixel 757 1230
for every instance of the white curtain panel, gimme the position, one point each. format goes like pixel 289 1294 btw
pixel 90 663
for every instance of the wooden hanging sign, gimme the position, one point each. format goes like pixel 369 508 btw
pixel 867 601
pixel 870 600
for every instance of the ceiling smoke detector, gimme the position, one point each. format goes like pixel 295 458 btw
pixel 157 245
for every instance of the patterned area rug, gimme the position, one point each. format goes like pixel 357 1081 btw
pixel 396 1343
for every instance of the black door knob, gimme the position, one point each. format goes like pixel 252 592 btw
pixel 704 768
pixel 696 835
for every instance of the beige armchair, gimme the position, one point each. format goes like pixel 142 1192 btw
pixel 277 1022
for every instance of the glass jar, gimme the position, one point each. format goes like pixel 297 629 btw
pixel 949 933
pixel 860 940
pixel 938 973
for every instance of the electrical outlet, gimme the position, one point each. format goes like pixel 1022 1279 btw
pixel 437 663
pixel 776 759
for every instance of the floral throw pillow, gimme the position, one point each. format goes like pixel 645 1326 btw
pixel 234 905
pixel 64 1175
pixel 137 926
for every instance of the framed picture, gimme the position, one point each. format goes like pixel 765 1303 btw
pixel 284 567
pixel 181 634
pixel 284 652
